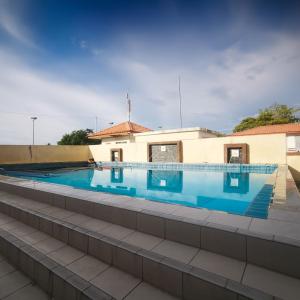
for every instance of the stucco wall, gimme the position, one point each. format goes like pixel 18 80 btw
pixel 131 152
pixel 14 154
pixel 262 148
pixel 149 137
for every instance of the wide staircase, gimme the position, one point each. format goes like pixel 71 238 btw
pixel 73 252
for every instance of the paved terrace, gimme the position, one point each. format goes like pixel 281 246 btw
pixel 134 248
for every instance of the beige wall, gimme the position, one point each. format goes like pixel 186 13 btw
pixel 135 146
pixel 262 148
pixel 116 140
pixel 171 136
pixel 132 152
pixel 14 154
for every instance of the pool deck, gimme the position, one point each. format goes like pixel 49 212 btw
pixel 182 238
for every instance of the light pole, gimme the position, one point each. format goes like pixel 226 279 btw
pixel 33 119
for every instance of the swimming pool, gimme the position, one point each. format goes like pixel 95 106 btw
pixel 241 193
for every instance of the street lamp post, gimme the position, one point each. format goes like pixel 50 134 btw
pixel 33 119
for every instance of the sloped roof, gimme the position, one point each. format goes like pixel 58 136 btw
pixel 271 129
pixel 121 129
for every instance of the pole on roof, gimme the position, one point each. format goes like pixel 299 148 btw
pixel 129 106
pixel 96 124
pixel 180 100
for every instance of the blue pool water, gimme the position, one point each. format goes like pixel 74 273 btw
pixel 240 193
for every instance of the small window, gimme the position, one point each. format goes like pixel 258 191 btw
pixel 236 153
pixel 116 155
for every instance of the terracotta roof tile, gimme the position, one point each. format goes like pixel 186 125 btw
pixel 121 129
pixel 271 129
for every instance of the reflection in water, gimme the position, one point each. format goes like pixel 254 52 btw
pixel 115 183
pixel 119 190
pixel 116 175
pixel 162 180
pixel 236 183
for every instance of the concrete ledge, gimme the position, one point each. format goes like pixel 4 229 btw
pixel 183 232
pixel 274 255
pixel 216 238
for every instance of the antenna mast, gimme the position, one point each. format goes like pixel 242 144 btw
pixel 180 101
pixel 129 107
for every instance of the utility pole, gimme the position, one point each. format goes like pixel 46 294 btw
pixel 180 101
pixel 33 119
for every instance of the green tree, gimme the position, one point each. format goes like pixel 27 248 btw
pixel 275 114
pixel 77 137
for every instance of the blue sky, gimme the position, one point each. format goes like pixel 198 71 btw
pixel 70 61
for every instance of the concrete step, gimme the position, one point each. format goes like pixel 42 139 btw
pixel 251 240
pixel 184 271
pixel 64 272
pixel 16 285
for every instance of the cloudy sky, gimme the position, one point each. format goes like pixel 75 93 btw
pixel 67 62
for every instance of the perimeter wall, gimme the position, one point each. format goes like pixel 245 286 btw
pixel 23 154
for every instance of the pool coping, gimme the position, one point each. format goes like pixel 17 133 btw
pixel 257 168
pixel 158 221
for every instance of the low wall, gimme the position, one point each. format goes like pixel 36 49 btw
pixel 293 162
pixel 23 154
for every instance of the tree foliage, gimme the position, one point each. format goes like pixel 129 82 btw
pixel 77 137
pixel 275 114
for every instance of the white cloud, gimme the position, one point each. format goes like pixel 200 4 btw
pixel 60 106
pixel 224 85
pixel 14 28
pixel 218 87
